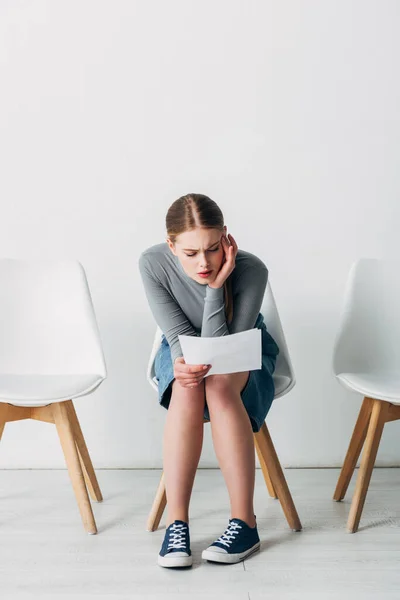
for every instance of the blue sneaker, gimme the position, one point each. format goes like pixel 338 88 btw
pixel 175 549
pixel 236 544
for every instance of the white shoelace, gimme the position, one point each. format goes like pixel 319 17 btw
pixel 229 535
pixel 177 536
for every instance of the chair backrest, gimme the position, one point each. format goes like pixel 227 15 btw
pixel 47 320
pixel 368 337
pixel 284 377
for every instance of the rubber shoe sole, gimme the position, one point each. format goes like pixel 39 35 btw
pixel 175 559
pixel 224 557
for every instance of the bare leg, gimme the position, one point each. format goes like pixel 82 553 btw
pixel 233 441
pixel 183 441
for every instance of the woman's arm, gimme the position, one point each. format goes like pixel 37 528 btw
pixel 166 311
pixel 247 300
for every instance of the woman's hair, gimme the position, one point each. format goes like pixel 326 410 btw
pixel 197 210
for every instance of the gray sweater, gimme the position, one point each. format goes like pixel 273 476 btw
pixel 182 306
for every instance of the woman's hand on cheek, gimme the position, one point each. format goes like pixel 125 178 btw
pixel 228 264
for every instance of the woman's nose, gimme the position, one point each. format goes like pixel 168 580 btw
pixel 203 261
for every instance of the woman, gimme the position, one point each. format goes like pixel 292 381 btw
pixel 199 283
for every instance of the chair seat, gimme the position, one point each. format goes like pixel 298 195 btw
pixel 38 390
pixel 382 386
pixel 282 383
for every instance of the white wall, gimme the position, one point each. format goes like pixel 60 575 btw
pixel 285 112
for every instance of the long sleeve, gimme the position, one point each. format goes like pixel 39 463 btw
pixel 166 311
pixel 247 300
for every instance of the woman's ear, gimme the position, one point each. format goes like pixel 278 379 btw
pixel 171 246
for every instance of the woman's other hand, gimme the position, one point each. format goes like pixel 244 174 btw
pixel 189 375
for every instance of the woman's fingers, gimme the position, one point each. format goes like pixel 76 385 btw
pixel 233 242
pixel 189 384
pixel 233 247
pixel 191 379
pixel 191 370
pixel 188 379
pixel 230 248
pixel 189 375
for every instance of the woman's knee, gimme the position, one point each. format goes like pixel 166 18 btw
pixel 227 381
pixel 219 386
pixel 189 398
pixel 225 385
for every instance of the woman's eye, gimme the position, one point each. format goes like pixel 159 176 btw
pixel 194 254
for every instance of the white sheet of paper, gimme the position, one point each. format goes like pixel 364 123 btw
pixel 226 354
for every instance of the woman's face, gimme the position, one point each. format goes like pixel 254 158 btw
pixel 199 250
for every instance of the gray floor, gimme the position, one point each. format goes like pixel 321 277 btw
pixel 45 553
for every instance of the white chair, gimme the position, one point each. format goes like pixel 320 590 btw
pixel 366 360
pixel 50 353
pixel 284 381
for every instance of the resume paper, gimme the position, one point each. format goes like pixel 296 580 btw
pixel 226 354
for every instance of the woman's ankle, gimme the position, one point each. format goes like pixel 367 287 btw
pixel 177 517
pixel 250 520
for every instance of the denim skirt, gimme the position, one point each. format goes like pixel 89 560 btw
pixel 258 393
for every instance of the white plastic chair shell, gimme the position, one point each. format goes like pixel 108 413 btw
pixel 284 378
pixel 50 347
pixel 366 357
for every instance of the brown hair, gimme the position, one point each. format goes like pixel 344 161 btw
pixel 197 210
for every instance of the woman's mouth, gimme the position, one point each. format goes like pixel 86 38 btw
pixel 204 274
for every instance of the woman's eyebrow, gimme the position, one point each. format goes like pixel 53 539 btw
pixel 192 249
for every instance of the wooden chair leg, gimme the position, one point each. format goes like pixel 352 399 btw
pixel 267 478
pixel 3 416
pixel 66 435
pixel 354 450
pixel 374 433
pixel 87 466
pixel 159 504
pixel 279 483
